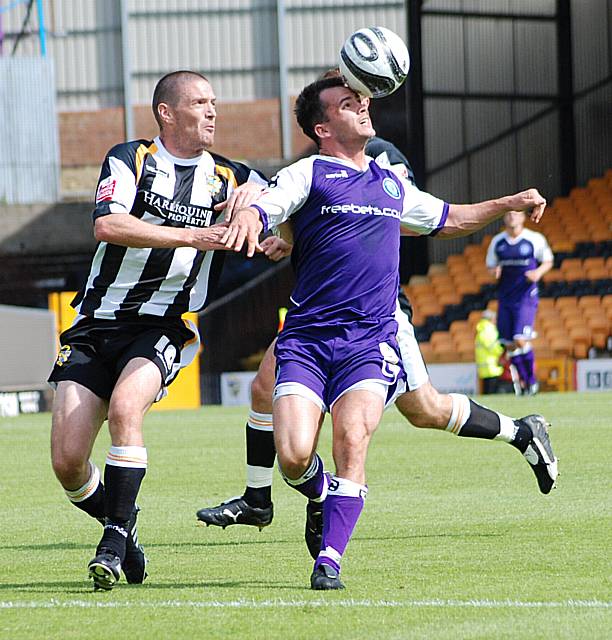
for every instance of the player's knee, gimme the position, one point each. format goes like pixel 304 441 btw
pixel 293 464
pixel 69 467
pixel 423 408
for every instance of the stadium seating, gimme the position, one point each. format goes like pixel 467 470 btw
pixel 575 312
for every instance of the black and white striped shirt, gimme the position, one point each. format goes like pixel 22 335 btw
pixel 141 178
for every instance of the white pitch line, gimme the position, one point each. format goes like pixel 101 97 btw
pixel 270 604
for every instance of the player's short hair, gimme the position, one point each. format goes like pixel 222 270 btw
pixel 309 110
pixel 168 89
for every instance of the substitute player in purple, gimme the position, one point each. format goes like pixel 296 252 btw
pixel 338 350
pixel 518 258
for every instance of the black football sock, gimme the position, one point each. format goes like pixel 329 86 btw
pixel 123 474
pixel 260 457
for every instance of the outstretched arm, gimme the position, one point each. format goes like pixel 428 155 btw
pixel 125 230
pixel 464 219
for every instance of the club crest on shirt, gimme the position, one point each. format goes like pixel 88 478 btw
pixel 524 249
pixel 63 355
pixel 391 188
pixel 214 184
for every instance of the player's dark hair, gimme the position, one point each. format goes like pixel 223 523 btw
pixel 167 89
pixel 309 110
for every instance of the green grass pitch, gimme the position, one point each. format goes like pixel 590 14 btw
pixel 455 540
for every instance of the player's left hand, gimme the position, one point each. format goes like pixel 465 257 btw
pixel 242 196
pixel 532 276
pixel 245 227
pixel 275 248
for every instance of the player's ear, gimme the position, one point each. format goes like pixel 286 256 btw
pixel 165 113
pixel 321 130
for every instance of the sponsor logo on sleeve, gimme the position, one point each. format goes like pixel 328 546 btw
pixel 106 190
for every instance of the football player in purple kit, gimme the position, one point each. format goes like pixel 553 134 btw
pixel 338 350
pixel 518 258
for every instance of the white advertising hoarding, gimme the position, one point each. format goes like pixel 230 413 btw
pixel 236 388
pixel 594 375
pixel 458 377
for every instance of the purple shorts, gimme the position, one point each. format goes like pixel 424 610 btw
pixel 517 320
pixel 329 360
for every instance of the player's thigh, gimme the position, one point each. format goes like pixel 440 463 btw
pixel 77 416
pixel 262 386
pixel 425 407
pixel 297 421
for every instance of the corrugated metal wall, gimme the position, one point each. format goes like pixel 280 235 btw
pixel 235 43
pixel 29 162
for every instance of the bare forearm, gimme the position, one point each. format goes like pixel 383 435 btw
pixel 128 231
pixel 545 267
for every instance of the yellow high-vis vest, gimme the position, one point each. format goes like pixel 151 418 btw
pixel 488 350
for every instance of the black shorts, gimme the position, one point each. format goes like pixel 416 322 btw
pixel 94 352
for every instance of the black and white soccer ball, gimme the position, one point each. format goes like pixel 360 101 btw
pixel 374 61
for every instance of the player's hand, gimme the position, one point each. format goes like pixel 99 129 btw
pixel 245 227
pixel 533 275
pixel 210 238
pixel 529 201
pixel 275 248
pixel 242 196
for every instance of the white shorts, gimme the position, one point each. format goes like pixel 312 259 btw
pixel 412 360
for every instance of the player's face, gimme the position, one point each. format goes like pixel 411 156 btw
pixel 194 116
pixel 514 220
pixel 348 115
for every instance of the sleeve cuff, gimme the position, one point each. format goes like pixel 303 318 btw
pixel 442 222
pixel 263 216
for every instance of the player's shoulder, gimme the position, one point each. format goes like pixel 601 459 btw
pixel 241 171
pixel 379 147
pixel 498 237
pixel 126 151
pixel 532 234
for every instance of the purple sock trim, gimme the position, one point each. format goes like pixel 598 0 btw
pixel 529 364
pixel 315 485
pixel 519 363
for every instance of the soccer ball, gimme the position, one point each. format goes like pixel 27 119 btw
pixel 374 62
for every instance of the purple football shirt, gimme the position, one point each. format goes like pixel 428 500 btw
pixel 515 256
pixel 346 230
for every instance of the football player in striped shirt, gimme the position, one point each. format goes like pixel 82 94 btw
pixel 156 220
pixel 338 350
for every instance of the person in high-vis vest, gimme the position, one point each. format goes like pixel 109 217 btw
pixel 488 350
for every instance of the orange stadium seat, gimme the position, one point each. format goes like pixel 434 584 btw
pixel 546 304
pixel 585 302
pixel 566 301
pixel 561 345
pixel 570 264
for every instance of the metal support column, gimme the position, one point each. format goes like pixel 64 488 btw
pixel 126 64
pixel 283 81
pixel 565 74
